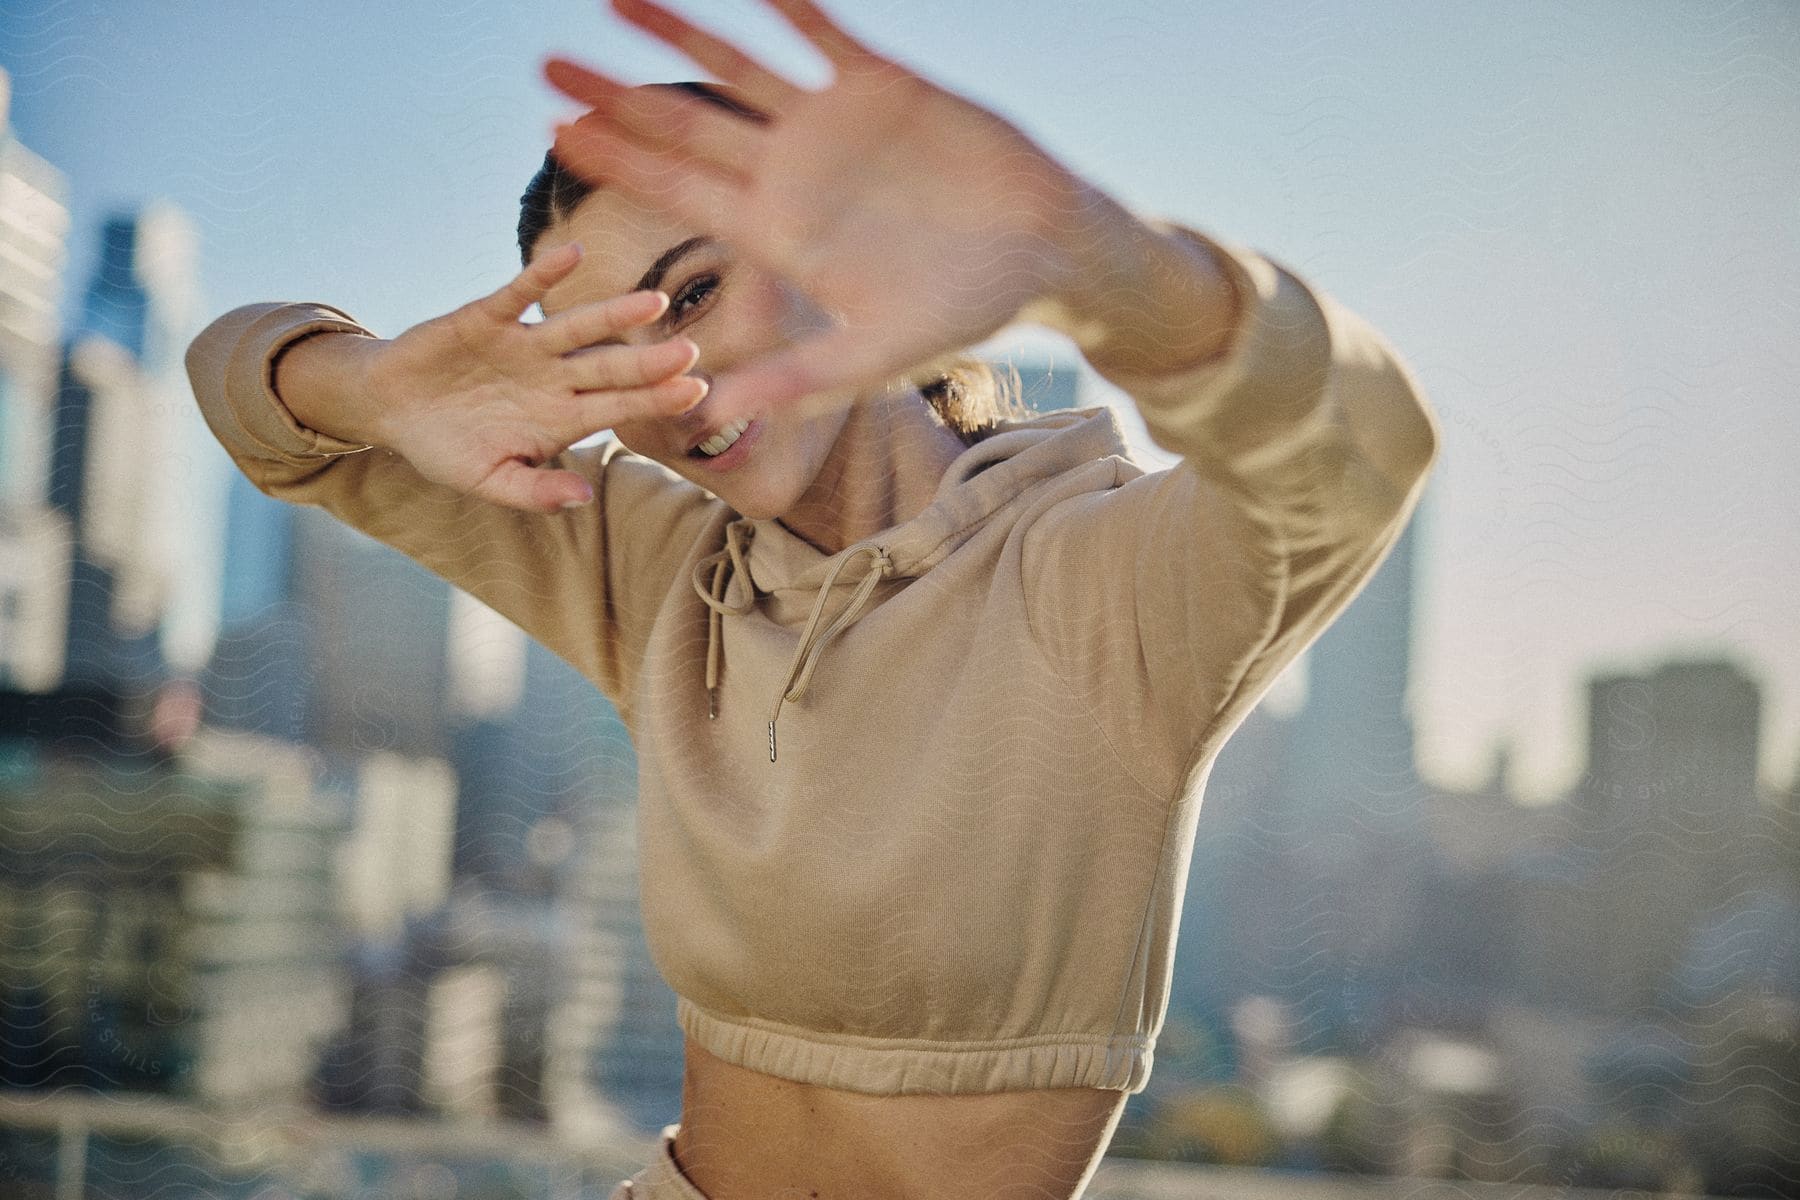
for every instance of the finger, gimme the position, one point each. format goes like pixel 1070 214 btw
pixel 605 409
pixel 820 368
pixel 762 87
pixel 628 366
pixel 665 118
pixel 586 324
pixel 774 380
pixel 831 39
pixel 529 285
pixel 665 180
pixel 517 484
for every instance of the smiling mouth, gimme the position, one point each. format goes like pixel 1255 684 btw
pixel 718 443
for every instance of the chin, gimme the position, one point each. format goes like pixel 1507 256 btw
pixel 755 503
pixel 768 487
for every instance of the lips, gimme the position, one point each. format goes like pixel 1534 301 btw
pixel 733 455
pixel 713 433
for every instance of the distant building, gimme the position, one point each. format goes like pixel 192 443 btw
pixel 395 864
pixel 1485 827
pixel 1351 771
pixel 258 677
pixel 1662 816
pixel 34 230
pixel 464 1041
pixel 542 750
pixel 1462 1119
pixel 374 1062
pixel 1677 742
pixel 615 1049
pixel 1227 923
pixel 145 575
pixel 168 930
pixel 1312 855
pixel 379 639
pixel 34 537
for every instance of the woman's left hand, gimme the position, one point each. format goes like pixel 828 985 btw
pixel 921 222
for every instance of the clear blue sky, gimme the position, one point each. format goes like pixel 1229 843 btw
pixel 1580 224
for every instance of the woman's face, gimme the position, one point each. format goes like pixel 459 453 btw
pixel 733 312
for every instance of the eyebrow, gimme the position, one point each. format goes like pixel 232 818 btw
pixel 654 276
pixel 665 262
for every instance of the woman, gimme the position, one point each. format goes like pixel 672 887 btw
pixel 924 696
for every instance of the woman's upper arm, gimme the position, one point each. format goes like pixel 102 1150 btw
pixel 1305 447
pixel 583 581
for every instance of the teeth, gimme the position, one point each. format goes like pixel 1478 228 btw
pixel 721 441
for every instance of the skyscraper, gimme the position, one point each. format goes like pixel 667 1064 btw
pixel 127 469
pixel 34 538
pixel 1351 767
pixel 257 678
pixel 1663 814
pixel 1340 855
pixel 380 643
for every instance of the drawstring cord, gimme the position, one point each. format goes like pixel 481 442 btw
pixel 714 595
pixel 722 564
pixel 809 650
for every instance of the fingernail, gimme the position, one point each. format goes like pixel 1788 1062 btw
pixel 578 503
pixel 668 357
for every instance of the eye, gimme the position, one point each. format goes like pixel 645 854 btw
pixel 696 292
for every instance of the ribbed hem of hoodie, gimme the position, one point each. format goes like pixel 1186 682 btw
pixel 891 1067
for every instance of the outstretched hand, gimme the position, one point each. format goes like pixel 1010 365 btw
pixel 921 222
pixel 480 401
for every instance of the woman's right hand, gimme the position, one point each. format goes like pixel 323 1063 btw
pixel 477 399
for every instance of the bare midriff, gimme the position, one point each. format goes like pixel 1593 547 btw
pixel 749 1136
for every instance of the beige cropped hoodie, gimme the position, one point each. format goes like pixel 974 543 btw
pixel 917 816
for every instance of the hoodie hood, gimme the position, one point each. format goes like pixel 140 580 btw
pixel 762 556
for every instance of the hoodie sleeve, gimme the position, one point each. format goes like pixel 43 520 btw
pixel 585 582
pixel 1171 601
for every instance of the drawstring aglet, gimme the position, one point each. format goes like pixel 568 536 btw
pixel 712 704
pixel 771 741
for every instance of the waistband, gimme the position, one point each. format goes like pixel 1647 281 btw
pixel 887 1067
pixel 662 1179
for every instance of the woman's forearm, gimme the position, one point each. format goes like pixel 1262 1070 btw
pixel 1135 300
pixel 320 379
pixel 1230 357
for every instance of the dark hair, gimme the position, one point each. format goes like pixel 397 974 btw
pixel 968 396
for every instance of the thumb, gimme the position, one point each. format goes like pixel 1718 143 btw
pixel 517 484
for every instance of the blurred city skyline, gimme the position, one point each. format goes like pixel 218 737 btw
pixel 1576 225
pixel 369 852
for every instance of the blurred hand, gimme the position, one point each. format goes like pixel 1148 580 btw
pixel 477 399
pixel 920 222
